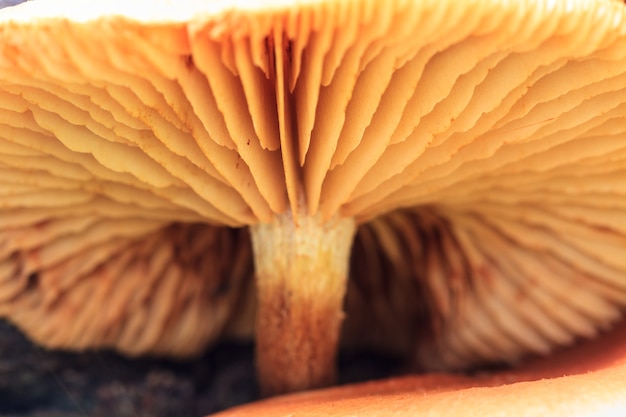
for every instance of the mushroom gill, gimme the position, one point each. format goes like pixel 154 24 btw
pixel 476 150
pixel 133 284
pixel 471 286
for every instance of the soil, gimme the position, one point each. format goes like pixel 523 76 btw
pixel 35 382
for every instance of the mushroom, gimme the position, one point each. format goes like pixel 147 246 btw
pixel 476 150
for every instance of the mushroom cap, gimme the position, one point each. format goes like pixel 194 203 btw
pixel 496 128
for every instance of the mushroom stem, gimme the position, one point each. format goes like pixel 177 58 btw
pixel 301 276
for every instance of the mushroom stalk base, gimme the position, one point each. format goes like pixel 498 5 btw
pixel 301 278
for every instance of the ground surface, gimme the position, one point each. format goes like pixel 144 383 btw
pixel 35 382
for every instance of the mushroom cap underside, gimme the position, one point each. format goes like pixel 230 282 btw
pixel 486 139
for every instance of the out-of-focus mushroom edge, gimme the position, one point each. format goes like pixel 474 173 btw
pixel 587 380
pixel 475 150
